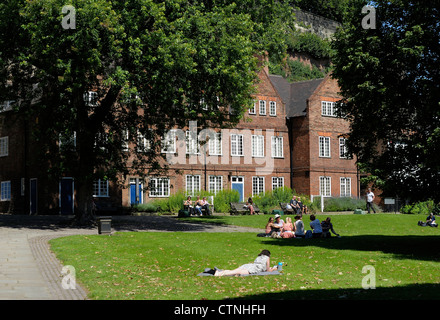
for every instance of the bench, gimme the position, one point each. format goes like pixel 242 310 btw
pixel 241 208
pixel 283 206
pixel 187 211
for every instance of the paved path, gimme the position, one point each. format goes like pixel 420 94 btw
pixel 30 271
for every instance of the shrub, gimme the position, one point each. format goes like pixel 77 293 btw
pixel 270 200
pixel 421 207
pixel 223 198
pixel 174 202
pixel 145 207
pixel 335 204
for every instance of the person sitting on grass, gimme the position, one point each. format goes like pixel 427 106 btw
pixel 299 227
pixel 327 226
pixel 288 229
pixel 277 226
pixel 430 221
pixel 316 226
pixel 260 264
pixel 269 227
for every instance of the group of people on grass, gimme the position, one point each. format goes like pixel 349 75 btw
pixel 278 228
pixel 196 207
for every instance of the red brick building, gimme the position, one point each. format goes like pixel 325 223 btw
pixel 289 137
pixel 319 163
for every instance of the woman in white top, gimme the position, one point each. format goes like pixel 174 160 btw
pixel 260 264
pixel 299 227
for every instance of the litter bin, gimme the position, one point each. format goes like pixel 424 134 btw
pixel 104 225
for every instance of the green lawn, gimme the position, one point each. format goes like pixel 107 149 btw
pixel 153 265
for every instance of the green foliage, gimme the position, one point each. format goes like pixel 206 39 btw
pixel 146 207
pixel 150 64
pixel 174 202
pixel 270 200
pixel 421 207
pixel 388 70
pixel 310 43
pixel 343 204
pixel 223 199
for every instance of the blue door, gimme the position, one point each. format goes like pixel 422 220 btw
pixel 33 196
pixel 133 198
pixel 237 184
pixel 66 196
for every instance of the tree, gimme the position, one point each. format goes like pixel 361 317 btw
pixel 390 80
pixel 101 74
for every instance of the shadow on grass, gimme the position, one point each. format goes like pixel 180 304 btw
pixel 402 247
pixel 409 292
pixel 119 223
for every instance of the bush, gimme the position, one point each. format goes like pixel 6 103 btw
pixel 145 207
pixel 422 207
pixel 270 200
pixel 335 204
pixel 174 202
pixel 223 198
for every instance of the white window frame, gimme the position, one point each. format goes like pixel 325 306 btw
pixel 143 144
pixel 90 98
pixel 324 147
pixel 4 146
pixel 345 187
pixel 277 182
pixel 257 185
pixel 328 109
pixel 162 185
pixel 62 141
pixel 5 191
pixel 343 150
pixel 262 107
pixel 192 184
pixel 100 188
pixel 325 186
pixel 215 145
pixel 257 146
pixel 169 142
pixel 272 108
pixel 191 142
pixel 236 145
pixel 215 184
pixel 277 147
pixel 253 109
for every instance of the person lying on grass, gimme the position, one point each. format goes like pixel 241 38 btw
pixel 260 264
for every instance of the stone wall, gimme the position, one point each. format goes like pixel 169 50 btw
pixel 323 27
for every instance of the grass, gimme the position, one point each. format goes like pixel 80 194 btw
pixel 153 265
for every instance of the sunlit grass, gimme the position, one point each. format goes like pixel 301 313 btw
pixel 154 265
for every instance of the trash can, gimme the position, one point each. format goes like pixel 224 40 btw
pixel 104 225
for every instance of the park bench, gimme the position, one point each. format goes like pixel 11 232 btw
pixel 187 211
pixel 283 206
pixel 241 208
